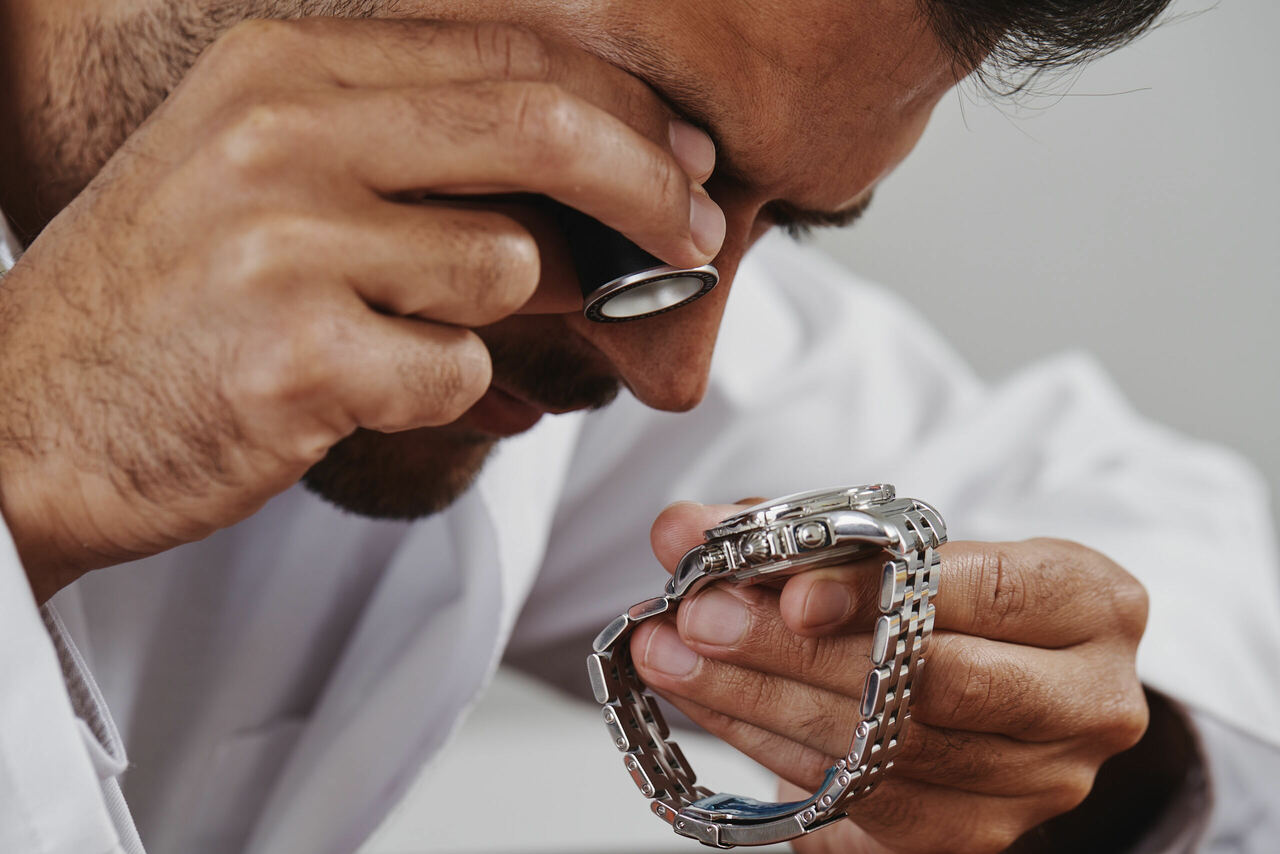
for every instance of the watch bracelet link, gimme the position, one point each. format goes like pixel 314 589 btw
pixel 663 774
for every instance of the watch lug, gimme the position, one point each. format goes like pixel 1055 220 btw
pixel 701 563
pixel 859 526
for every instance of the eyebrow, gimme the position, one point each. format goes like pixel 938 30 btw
pixel 692 105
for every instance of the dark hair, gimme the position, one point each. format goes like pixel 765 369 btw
pixel 1011 41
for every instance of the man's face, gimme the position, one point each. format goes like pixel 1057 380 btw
pixel 810 102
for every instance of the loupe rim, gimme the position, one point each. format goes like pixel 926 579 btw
pixel 597 299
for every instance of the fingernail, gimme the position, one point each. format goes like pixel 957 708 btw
pixel 828 602
pixel 706 224
pixel 693 149
pixel 666 652
pixel 717 617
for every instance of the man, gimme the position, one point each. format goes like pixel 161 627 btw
pixel 270 251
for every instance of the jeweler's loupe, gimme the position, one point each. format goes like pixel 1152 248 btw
pixel 620 281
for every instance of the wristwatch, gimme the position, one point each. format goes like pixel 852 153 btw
pixel 765 542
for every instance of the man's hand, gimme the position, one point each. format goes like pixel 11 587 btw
pixel 255 273
pixel 1029 684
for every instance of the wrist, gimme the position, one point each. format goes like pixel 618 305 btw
pixel 40 535
pixel 1156 790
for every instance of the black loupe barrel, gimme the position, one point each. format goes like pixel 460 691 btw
pixel 620 281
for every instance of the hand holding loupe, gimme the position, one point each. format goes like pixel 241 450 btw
pixel 619 280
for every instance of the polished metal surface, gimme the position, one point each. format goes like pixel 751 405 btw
pixel 649 292
pixel 771 540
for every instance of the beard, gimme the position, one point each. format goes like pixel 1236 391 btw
pixel 419 472
pixel 109 76
pixel 399 475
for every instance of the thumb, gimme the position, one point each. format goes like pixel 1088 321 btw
pixel 680 527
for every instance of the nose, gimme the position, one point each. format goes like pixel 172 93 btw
pixel 665 360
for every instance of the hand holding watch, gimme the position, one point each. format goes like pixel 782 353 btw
pixel 772 540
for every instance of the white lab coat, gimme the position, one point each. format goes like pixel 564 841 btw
pixel 279 685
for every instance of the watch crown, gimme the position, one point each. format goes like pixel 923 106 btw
pixel 755 547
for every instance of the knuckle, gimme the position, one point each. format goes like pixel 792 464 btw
pixel 1134 724
pixel 284 369
pixel 973 692
pixel 1059 557
pixel 1001 586
pixel 1070 790
pixel 1122 721
pixel 498 268
pixel 1131 604
pixel 673 187
pixel 445 386
pixel 1113 587
pixel 756 691
pixel 522 265
pixel 257 255
pixel 511 52
pixel 979 687
pixel 955 687
pixel 546 120
pixel 801 655
pixel 259 137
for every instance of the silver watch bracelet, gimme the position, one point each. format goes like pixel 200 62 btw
pixel 663 774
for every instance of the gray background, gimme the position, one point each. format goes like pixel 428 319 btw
pixel 1136 217
pixel 1141 226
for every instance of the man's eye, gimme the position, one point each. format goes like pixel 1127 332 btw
pixel 783 219
pixel 799 224
pixel 797 231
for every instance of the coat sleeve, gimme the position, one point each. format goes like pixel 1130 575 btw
pixel 60 754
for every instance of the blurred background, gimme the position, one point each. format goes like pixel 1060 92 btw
pixel 1133 214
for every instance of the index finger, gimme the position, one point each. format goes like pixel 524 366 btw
pixel 1042 592
pixel 385 53
pixel 679 527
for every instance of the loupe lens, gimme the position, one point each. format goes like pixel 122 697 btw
pixel 654 297
pixel 620 281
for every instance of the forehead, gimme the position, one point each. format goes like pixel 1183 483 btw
pixel 810 100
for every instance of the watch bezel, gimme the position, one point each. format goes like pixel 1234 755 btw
pixel 803 504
